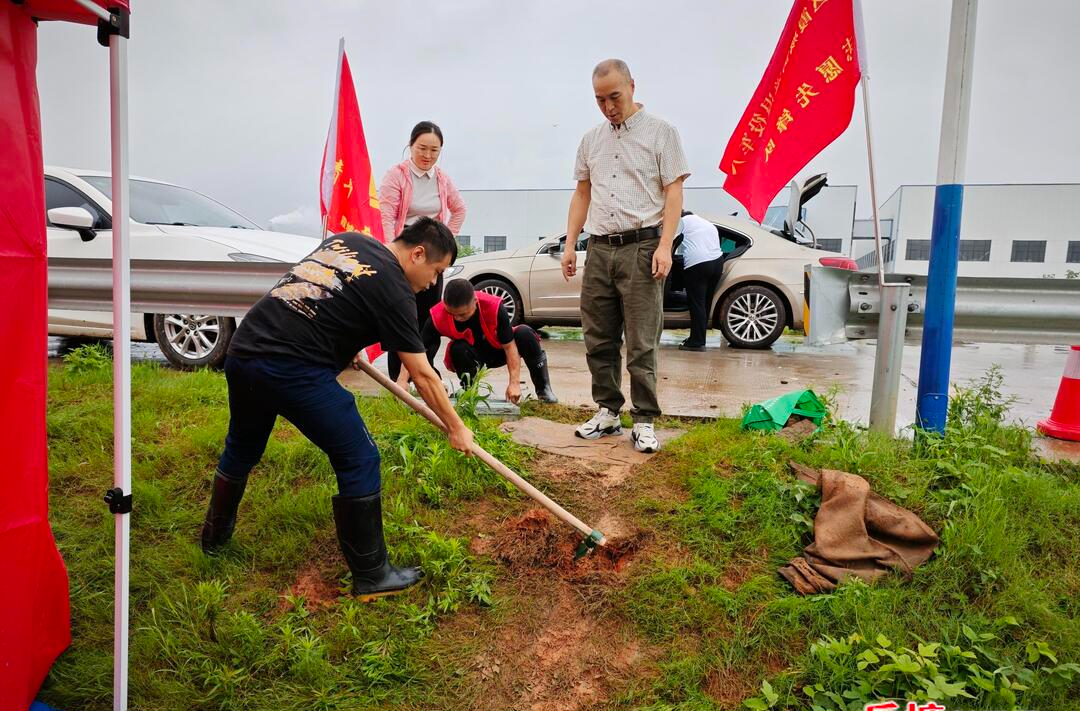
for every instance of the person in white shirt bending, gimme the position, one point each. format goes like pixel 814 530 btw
pixel 703 265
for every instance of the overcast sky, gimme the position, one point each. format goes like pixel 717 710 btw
pixel 234 98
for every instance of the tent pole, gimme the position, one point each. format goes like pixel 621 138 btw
pixel 118 105
pixel 93 7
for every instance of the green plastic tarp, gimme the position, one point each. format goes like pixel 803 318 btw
pixel 773 414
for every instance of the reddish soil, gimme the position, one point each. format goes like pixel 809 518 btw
pixel 319 581
pixel 537 542
pixel 566 661
pixel 317 589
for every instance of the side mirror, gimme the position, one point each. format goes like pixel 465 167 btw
pixel 74 218
pixel 554 251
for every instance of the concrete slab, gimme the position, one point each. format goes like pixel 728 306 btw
pixel 558 438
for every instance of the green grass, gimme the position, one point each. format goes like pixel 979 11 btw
pixel 218 632
pixel 997 605
pixel 1007 570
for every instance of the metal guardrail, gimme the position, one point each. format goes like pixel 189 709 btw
pixel 164 286
pixel 846 305
pixel 842 304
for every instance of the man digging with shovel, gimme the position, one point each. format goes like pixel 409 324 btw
pixel 284 359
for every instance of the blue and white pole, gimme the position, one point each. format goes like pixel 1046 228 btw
pixel 932 405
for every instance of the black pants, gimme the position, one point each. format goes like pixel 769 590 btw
pixel 310 397
pixel 425 300
pixel 701 282
pixel 468 359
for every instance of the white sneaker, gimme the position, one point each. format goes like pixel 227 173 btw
pixel 604 422
pixel 644 438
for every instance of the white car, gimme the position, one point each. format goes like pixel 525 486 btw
pixel 167 222
pixel 759 295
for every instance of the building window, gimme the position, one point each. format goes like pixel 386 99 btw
pixel 1029 250
pixel 464 240
pixel 494 243
pixel 918 250
pixel 831 245
pixel 974 250
pixel 1073 255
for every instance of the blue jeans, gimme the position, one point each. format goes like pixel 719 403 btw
pixel 310 397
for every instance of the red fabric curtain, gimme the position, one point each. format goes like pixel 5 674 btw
pixel 34 613
pixel 69 10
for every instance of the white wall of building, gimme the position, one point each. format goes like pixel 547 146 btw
pixel 523 217
pixel 999 214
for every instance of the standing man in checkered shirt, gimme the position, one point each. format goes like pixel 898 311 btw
pixel 629 171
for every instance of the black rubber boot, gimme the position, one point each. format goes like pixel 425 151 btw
pixel 221 516
pixel 541 380
pixel 360 533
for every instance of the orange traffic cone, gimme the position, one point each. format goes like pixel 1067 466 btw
pixel 1064 420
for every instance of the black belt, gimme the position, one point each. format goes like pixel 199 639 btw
pixel 629 236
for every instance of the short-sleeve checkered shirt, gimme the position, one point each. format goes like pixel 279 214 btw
pixel 629 166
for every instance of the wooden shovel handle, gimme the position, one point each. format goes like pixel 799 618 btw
pixel 481 453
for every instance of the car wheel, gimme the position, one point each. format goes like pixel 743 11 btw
pixel 752 316
pixel 509 295
pixel 192 341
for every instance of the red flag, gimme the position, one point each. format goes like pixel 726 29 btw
pixel 347 195
pixel 348 198
pixel 804 101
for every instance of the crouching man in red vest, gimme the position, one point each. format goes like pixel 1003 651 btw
pixel 478 327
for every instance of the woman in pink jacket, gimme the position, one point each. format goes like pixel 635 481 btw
pixel 413 189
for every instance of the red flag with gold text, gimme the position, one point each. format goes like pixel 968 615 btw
pixel 347 195
pixel 348 198
pixel 804 101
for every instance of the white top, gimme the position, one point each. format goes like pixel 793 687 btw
pixel 425 195
pixel 701 241
pixel 629 166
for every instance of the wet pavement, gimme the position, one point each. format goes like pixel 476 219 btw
pixel 719 381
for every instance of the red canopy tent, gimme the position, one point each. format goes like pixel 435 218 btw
pixel 34 612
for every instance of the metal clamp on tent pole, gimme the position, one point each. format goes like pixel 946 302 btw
pixel 117 501
pixel 119 23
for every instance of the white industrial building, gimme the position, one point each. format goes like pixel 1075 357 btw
pixel 1005 230
pixel 1017 230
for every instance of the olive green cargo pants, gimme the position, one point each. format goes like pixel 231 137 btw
pixel 619 297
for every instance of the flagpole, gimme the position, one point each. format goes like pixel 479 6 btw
pixel 893 297
pixel 331 135
pixel 864 70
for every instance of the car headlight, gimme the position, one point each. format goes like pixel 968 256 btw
pixel 454 270
pixel 245 257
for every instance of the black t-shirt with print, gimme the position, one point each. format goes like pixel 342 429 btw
pixel 349 293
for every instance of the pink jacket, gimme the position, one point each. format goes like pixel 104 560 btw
pixel 395 195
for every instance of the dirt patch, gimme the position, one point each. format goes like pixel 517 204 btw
pixel 797 429
pixel 570 660
pixel 536 542
pixel 318 582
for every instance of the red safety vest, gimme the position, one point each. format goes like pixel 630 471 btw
pixel 489 324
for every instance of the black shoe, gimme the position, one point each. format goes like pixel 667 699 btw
pixel 360 533
pixel 538 371
pixel 221 516
pixel 688 347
